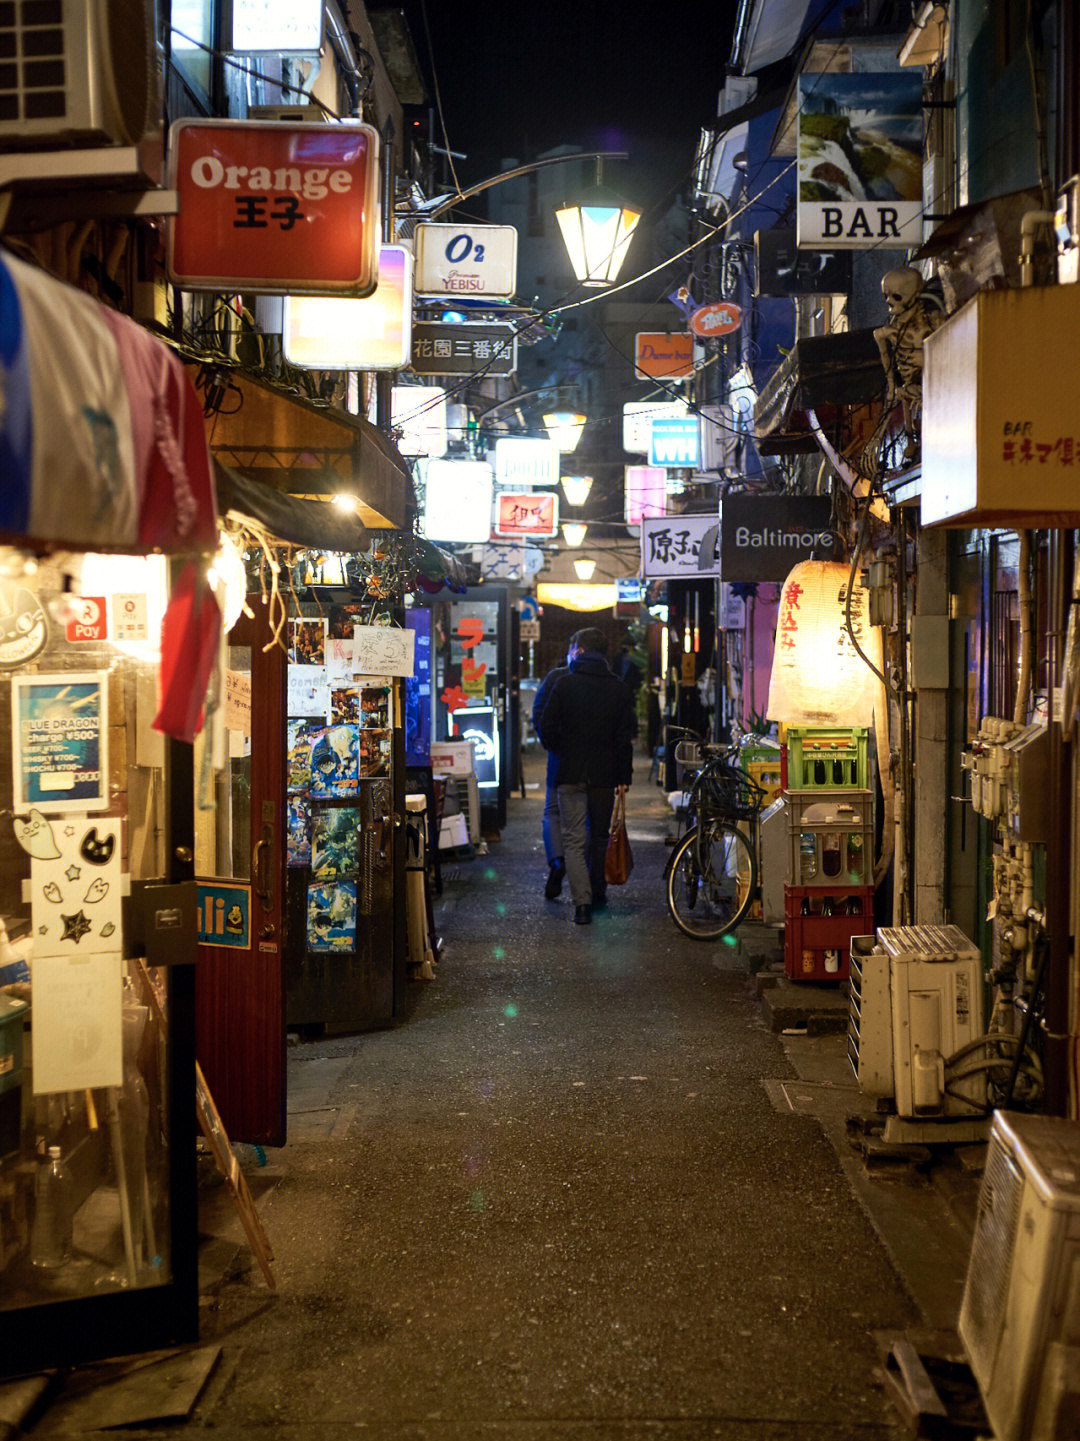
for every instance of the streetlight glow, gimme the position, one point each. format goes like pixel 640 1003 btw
pixel 564 427
pixel 596 238
pixel 574 532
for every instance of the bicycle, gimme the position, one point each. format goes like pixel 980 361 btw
pixel 711 876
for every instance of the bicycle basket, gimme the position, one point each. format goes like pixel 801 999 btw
pixel 687 760
pixel 728 791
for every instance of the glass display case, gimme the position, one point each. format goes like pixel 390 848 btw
pixel 97 1201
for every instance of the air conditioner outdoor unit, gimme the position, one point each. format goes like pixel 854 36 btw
pixel 81 71
pixel 915 1001
pixel 1020 1315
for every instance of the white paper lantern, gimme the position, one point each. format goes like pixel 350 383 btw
pixel 818 677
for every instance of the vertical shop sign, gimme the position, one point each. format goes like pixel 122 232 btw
pixel 59 737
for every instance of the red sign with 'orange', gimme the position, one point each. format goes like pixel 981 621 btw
pixel 277 208
pixel 658 356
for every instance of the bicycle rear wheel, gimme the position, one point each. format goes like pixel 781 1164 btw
pixel 710 885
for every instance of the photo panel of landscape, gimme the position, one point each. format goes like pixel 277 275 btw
pixel 331 917
pixel 299 834
pixel 307 642
pixel 335 843
pixel 334 763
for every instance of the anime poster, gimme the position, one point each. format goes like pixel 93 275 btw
pixel 334 843
pixel 375 708
pixel 345 706
pixel 307 642
pixel 59 732
pixel 331 922
pixel 301 736
pixel 333 763
pixel 374 758
pixel 299 836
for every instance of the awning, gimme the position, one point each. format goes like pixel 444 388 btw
pixel 310 523
pixel 291 445
pixel 821 373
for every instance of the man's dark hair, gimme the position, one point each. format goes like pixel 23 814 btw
pixel 590 639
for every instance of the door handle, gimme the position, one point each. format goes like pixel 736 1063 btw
pixel 262 868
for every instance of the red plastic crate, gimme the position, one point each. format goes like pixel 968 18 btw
pixel 808 938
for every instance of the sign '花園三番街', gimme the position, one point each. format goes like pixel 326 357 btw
pixel 274 208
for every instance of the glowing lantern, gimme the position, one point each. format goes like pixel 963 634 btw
pixel 818 677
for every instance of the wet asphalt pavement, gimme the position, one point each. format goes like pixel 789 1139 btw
pixel 556 1201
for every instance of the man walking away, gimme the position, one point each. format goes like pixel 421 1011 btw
pixel 553 841
pixel 588 722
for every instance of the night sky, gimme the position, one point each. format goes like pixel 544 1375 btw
pixel 519 79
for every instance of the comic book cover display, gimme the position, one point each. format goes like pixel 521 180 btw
pixel 331 917
pixel 334 843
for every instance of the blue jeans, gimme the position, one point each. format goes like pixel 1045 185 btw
pixel 585 815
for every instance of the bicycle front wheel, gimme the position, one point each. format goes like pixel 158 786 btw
pixel 711 881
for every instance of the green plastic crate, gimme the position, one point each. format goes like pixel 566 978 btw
pixel 828 758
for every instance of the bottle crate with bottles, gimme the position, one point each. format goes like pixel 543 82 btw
pixel 831 835
pixel 819 923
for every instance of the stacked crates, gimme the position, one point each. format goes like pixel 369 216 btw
pixel 831 836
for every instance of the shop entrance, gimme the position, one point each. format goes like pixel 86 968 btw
pixel 240 866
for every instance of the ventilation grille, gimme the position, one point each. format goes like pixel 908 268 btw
pixel 990 1266
pixel 33 67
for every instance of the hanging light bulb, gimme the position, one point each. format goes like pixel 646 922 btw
pixel 565 427
pixel 576 488
pixel 574 532
pixel 584 569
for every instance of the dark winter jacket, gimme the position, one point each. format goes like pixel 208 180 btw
pixel 588 721
pixel 547 685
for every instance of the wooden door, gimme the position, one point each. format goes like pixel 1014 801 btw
pixel 240 866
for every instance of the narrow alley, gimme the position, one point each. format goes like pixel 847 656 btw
pixel 556 1203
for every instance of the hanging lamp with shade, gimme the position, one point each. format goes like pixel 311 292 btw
pixel 597 232
pixel 564 427
pixel 576 488
pixel 574 532
pixel 584 569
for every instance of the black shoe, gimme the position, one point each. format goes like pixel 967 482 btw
pixel 583 915
pixel 553 888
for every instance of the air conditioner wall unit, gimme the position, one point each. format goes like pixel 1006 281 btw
pixel 81 72
pixel 1020 1313
pixel 915 999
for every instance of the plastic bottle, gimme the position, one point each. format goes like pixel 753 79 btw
pixel 830 854
pixel 855 853
pixel 50 1236
pixel 807 855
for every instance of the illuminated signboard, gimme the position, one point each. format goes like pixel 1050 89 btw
pixel 458 504
pixel 329 333
pixel 526 513
pixel 659 356
pixel 526 460
pixel 419 413
pixel 645 492
pixel 637 418
pixel 274 208
pixel 466 260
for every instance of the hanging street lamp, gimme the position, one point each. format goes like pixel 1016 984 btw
pixel 596 233
pixel 564 427
pixel 574 532
pixel 576 488
pixel 584 569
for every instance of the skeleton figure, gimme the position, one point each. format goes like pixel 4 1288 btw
pixel 900 344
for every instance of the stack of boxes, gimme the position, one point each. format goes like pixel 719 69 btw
pixel 831 835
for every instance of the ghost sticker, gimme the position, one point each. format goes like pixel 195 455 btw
pixel 95 852
pixel 36 837
pixel 97 892
pixel 107 929
pixel 53 893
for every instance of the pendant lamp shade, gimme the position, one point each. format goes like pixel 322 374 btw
pixel 596 239
pixel 576 488
pixel 818 677
pixel 584 569
pixel 574 532
pixel 564 427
